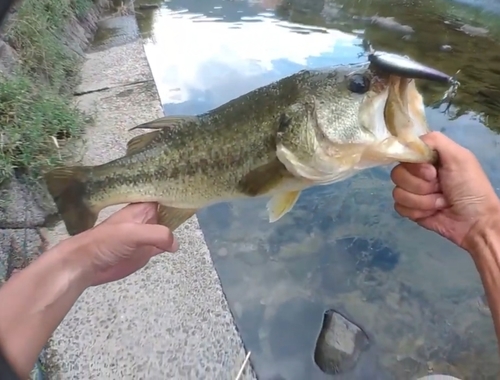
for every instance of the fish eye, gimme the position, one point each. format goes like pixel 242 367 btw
pixel 359 84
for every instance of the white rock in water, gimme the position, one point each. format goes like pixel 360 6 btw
pixel 438 377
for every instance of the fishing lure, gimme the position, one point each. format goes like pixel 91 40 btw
pixel 406 67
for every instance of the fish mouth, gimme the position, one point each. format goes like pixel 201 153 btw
pixel 400 111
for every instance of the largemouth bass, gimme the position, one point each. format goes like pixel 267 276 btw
pixel 311 128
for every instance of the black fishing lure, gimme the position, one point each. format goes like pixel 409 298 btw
pixel 405 67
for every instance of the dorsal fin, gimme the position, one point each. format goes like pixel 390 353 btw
pixel 138 143
pixel 167 122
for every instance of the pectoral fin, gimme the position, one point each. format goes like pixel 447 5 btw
pixel 280 204
pixel 172 217
pixel 264 179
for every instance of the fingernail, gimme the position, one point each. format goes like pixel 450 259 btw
pixel 441 202
pixel 175 245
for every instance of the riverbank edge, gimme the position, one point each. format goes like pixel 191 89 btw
pixel 25 207
pixel 108 334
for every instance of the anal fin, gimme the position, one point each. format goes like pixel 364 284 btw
pixel 172 217
pixel 280 204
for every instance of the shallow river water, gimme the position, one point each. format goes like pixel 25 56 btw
pixel 342 247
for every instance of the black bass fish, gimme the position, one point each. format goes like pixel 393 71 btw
pixel 311 128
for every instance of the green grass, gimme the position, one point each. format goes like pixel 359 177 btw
pixel 31 117
pixel 80 7
pixel 35 103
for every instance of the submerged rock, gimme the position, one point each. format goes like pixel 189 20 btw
pixel 390 23
pixel 474 31
pixel 340 344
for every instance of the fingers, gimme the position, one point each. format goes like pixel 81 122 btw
pixel 417 193
pixel 413 214
pixel 425 202
pixel 426 172
pixel 154 235
pixel 136 213
pixel 416 178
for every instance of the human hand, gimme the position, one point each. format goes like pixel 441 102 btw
pixel 124 243
pixel 449 200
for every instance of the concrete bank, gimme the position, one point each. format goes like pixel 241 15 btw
pixel 169 320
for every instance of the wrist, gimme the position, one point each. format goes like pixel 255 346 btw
pixel 482 235
pixel 74 255
pixel 35 301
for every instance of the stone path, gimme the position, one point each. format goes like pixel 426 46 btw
pixel 171 319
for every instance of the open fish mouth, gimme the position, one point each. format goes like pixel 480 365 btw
pixel 397 119
pixel 378 126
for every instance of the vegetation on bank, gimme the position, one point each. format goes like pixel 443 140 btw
pixel 35 102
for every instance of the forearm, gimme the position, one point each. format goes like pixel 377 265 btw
pixel 36 300
pixel 483 244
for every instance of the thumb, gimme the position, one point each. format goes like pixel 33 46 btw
pixel 450 153
pixel 155 235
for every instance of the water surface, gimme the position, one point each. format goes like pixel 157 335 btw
pixel 342 246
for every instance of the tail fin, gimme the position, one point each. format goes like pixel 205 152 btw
pixel 67 186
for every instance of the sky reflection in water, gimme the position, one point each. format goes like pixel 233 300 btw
pixel 214 62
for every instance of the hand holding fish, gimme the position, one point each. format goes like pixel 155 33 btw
pixel 450 199
pixel 457 201
pixel 36 300
pixel 124 243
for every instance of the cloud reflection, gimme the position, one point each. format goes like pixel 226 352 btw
pixel 200 65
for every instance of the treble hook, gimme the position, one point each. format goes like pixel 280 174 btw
pixel 449 94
